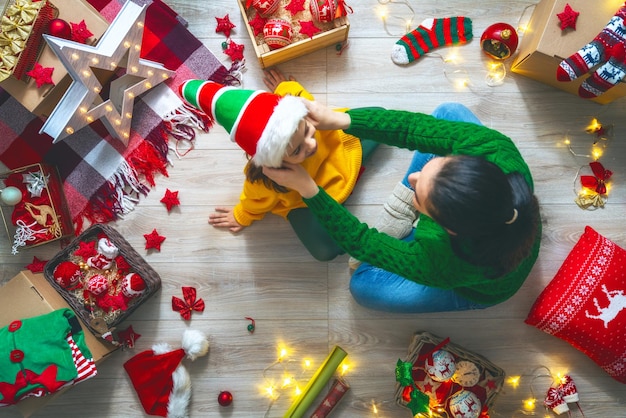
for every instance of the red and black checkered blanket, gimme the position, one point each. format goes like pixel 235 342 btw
pixel 101 178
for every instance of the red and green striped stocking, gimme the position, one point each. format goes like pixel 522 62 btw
pixel 430 34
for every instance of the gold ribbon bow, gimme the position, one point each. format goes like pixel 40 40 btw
pixel 25 10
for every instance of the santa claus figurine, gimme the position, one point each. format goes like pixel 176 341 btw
pixel 107 251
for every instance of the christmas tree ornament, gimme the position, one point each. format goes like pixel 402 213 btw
pixel 106 253
pixel 80 33
pixel 568 389
pixel 431 33
pixel 224 25
pixel 464 404
pixel 295 6
pixel 596 51
pixel 597 182
pixel 162 383
pixel 170 199
pixel 37 265
pixel 261 123
pixel 97 284
pixel 277 33
pixel 264 7
pixel 234 50
pixel 499 41
pixel 189 304
pixel 225 398
pixel 11 196
pixel 133 285
pixel 308 28
pixel 251 325
pixel 41 75
pixel 117 51
pixel 154 240
pixel 568 17
pixel 60 28
pixel 555 402
pixel 257 23
pixel 323 10
pixel 441 366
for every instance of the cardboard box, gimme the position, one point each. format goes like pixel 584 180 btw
pixel 337 34
pixel 41 101
pixel 27 295
pixel 543 45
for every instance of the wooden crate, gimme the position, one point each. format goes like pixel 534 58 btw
pixel 268 58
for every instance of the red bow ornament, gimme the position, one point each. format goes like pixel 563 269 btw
pixel 190 304
pixel 597 181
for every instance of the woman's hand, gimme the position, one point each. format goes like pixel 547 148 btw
pixel 224 218
pixel 324 118
pixel 294 177
pixel 272 78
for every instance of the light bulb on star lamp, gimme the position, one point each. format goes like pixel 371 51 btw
pixel 11 196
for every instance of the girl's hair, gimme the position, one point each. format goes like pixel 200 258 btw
pixel 254 173
pixel 494 216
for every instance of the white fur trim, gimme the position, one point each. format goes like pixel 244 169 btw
pixel 278 131
pixel 178 404
pixel 195 343
pixel 161 348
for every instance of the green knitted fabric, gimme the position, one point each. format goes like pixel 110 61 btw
pixel 432 33
pixel 429 259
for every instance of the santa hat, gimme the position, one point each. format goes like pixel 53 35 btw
pixel 161 382
pixel 133 285
pixel 261 123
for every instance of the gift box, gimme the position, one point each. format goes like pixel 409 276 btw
pixel 544 45
pixel 102 278
pixel 333 32
pixel 441 379
pixel 41 214
pixel 41 101
pixel 28 295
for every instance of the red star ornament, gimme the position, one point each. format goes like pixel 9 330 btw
pixel 257 24
pixel 224 25
pixel 42 75
pixel 154 240
pixel 37 265
pixel 80 33
pixel 170 199
pixel 568 17
pixel 308 28
pixel 128 336
pixel 295 6
pixel 86 249
pixel 234 51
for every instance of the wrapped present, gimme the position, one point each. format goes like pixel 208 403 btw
pixel 33 206
pixel 102 278
pixel 23 23
pixel 441 379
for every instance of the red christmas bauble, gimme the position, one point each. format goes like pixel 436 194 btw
pixel 225 398
pixel 60 28
pixel 277 33
pixel 499 41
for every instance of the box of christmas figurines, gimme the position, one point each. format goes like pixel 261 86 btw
pixel 441 379
pixel 282 30
pixel 33 206
pixel 102 278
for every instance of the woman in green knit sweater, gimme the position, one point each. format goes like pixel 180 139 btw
pixel 478 230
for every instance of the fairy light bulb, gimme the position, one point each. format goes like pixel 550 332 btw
pixel 514 381
pixel 529 404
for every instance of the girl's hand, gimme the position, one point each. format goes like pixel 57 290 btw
pixel 294 177
pixel 272 78
pixel 324 118
pixel 224 218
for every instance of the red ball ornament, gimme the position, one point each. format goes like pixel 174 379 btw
pixel 60 28
pixel 277 33
pixel 499 41
pixel 225 398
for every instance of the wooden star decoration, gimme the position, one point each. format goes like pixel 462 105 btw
pixel 257 24
pixel 154 240
pixel 224 25
pixel 41 75
pixel 295 6
pixel 308 28
pixel 170 199
pixel 234 51
pixel 118 48
pixel 568 17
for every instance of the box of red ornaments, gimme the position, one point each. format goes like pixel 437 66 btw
pixel 441 379
pixel 33 206
pixel 102 278
pixel 281 31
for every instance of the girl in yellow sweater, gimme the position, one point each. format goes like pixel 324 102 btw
pixel 272 128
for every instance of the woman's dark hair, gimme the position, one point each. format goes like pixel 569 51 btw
pixel 493 216
pixel 255 174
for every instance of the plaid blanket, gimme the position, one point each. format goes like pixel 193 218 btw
pixel 101 179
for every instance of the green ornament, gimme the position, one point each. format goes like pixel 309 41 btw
pixel 419 402
pixel 224 45
pixel 403 373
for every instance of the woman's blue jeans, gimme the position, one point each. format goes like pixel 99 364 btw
pixel 381 290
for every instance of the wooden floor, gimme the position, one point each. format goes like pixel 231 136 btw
pixel 266 274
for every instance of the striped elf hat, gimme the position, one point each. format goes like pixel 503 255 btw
pixel 261 123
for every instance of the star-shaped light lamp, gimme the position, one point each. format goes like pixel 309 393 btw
pixel 118 48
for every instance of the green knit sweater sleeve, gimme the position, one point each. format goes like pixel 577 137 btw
pixel 418 131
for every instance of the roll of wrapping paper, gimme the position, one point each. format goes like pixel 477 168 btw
pixel 336 392
pixel 316 384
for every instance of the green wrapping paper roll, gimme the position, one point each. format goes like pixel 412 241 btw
pixel 317 383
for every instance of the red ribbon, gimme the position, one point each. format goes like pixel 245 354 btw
pixel 190 304
pixel 428 356
pixel 597 181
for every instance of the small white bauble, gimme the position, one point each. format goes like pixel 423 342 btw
pixel 11 196
pixel 442 367
pixel 465 404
